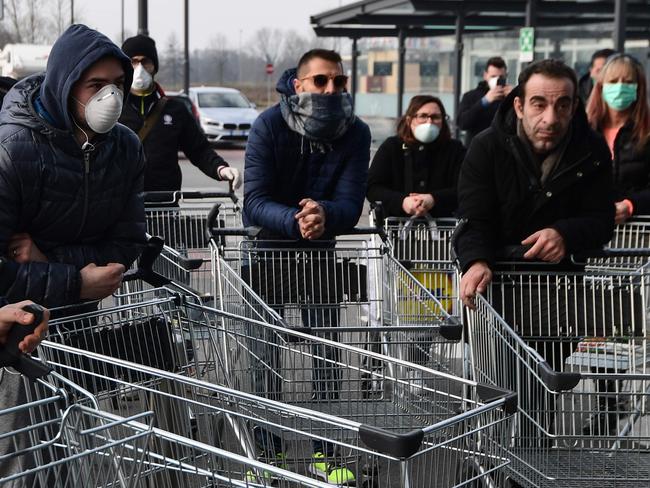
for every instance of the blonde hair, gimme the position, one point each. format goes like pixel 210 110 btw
pixel 640 115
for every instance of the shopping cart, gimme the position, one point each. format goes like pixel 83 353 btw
pixel 389 422
pixel 180 219
pixel 353 285
pixel 574 345
pixel 56 436
pixel 61 438
pixel 633 234
pixel 423 246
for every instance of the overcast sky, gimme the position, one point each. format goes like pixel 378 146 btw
pixel 236 19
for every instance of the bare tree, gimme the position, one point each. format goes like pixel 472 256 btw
pixel 218 48
pixel 171 63
pixel 61 15
pixel 36 21
pixel 15 18
pixel 268 44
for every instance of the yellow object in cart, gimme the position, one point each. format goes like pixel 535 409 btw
pixel 439 284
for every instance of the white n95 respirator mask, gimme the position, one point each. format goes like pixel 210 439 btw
pixel 103 109
pixel 142 79
pixel 426 133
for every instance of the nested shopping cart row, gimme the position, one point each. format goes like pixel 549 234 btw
pixel 65 433
pixel 594 322
pixel 274 393
pixel 574 344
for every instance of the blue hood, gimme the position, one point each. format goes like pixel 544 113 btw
pixel 74 52
pixel 285 83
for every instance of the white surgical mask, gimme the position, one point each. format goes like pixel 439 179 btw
pixel 103 109
pixel 426 133
pixel 142 79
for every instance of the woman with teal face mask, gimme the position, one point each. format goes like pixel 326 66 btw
pixel 415 172
pixel 618 108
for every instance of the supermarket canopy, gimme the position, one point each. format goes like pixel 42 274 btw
pixel 428 18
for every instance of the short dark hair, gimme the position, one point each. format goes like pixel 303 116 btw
pixel 601 53
pixel 326 54
pixel 497 62
pixel 551 68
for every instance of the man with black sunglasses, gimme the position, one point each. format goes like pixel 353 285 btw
pixel 305 178
pixel 307 157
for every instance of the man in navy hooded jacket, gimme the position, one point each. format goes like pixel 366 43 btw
pixel 71 210
pixel 304 183
pixel 307 158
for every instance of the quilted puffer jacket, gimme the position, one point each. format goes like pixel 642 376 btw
pixel 79 207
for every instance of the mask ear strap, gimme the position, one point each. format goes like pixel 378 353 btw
pixel 86 145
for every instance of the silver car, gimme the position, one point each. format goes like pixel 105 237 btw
pixel 225 113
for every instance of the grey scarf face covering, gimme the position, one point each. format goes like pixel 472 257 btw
pixel 318 117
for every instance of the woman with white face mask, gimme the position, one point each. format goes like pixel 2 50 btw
pixel 618 108
pixel 415 172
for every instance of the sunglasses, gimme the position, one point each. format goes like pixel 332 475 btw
pixel 321 81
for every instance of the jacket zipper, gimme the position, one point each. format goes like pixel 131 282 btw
pixel 85 207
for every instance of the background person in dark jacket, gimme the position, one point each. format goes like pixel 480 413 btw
pixel 416 171
pixel 539 176
pixel 588 80
pixel 173 128
pixel 305 180
pixel 619 110
pixel 71 211
pixel 478 106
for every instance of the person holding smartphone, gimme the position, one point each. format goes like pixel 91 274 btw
pixel 478 106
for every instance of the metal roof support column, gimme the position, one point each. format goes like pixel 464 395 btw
pixel 620 12
pixel 531 13
pixel 401 55
pixel 354 81
pixel 143 18
pixel 186 47
pixel 458 64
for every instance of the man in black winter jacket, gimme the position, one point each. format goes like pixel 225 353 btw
pixel 586 83
pixel 172 126
pixel 539 177
pixel 478 106
pixel 71 210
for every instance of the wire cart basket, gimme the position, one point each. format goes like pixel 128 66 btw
pixel 574 345
pixel 277 395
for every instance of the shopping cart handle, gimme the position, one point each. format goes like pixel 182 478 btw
pixel 356 231
pixel 145 270
pixel 11 355
pixel 173 197
pixel 452 329
pixel 400 445
pixel 489 393
pixel 556 380
pixel 516 253
pixel 189 264
pixel 199 195
pixel 510 253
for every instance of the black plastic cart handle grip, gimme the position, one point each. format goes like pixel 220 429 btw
pixel 11 355
pixel 176 196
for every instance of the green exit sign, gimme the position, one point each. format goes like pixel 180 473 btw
pixel 526 44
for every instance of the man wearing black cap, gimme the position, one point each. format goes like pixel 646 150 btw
pixel 165 126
